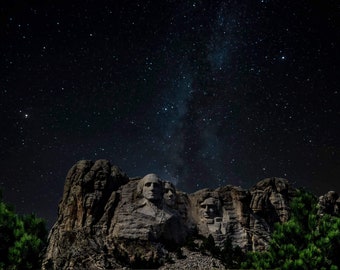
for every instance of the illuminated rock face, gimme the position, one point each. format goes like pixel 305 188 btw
pixel 106 220
pixel 245 216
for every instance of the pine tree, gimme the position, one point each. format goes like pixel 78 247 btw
pixel 21 239
pixel 306 241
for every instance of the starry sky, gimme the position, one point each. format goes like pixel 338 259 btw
pixel 203 93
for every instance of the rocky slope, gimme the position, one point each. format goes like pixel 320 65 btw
pixel 107 220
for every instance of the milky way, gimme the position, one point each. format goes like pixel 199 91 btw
pixel 203 93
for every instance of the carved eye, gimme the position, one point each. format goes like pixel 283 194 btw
pixel 154 184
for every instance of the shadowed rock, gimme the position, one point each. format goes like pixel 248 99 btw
pixel 329 204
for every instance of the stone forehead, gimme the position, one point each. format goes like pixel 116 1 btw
pixel 169 185
pixel 150 177
pixel 209 201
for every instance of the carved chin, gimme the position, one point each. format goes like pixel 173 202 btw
pixel 170 202
pixel 206 216
pixel 210 221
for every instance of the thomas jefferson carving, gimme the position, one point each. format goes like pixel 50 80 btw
pixel 169 194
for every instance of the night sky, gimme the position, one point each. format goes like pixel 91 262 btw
pixel 203 93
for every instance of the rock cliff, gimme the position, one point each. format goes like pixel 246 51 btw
pixel 107 220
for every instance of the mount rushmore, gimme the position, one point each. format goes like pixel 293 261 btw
pixel 107 220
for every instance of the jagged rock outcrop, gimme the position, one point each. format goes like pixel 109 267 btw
pixel 107 220
pixel 329 204
pixel 77 239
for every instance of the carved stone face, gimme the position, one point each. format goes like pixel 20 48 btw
pixel 281 208
pixel 169 194
pixel 208 208
pixel 152 188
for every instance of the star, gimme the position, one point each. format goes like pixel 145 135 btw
pixel 202 92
